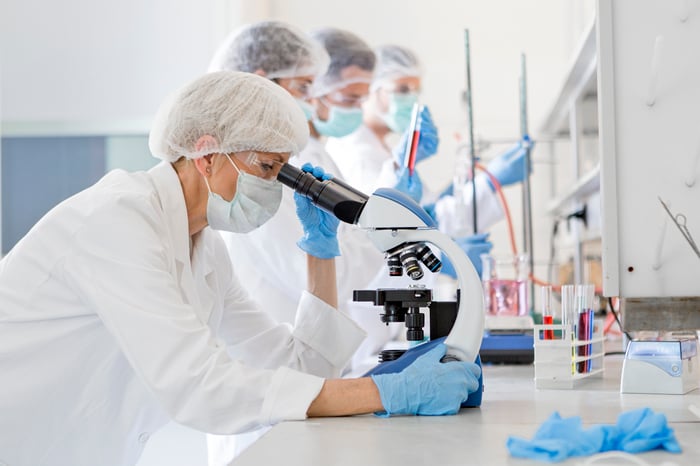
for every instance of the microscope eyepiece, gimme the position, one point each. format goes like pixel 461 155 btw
pixel 333 196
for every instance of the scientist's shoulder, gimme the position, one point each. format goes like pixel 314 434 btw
pixel 122 191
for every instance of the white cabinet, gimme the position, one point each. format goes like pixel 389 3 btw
pixel 649 95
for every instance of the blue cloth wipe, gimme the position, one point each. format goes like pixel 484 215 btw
pixel 560 438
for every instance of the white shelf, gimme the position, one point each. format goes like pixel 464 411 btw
pixel 567 241
pixel 580 81
pixel 584 187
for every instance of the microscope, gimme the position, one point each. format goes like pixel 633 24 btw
pixel 400 228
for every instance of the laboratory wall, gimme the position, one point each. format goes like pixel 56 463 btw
pixel 100 68
pixel 92 62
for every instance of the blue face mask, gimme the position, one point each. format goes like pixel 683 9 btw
pixel 341 121
pixel 307 108
pixel 398 117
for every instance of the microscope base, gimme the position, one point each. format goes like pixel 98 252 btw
pixel 410 355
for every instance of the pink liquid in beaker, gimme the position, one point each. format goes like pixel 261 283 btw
pixel 507 297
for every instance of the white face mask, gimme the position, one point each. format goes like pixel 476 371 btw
pixel 255 202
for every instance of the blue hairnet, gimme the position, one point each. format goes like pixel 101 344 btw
pixel 279 49
pixel 393 62
pixel 345 50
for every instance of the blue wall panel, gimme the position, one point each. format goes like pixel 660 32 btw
pixel 38 173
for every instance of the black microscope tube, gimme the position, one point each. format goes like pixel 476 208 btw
pixel 333 196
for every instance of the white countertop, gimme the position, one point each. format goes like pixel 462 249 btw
pixel 511 406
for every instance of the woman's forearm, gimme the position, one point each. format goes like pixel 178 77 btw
pixel 322 281
pixel 345 397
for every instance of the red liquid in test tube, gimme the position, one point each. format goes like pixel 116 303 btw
pixel 584 304
pixel 547 315
pixel 582 336
pixel 414 149
pixel 548 334
pixel 410 162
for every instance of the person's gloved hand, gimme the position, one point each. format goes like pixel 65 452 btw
pixel 320 228
pixel 409 185
pixel 428 387
pixel 473 246
pixel 509 167
pixel 427 144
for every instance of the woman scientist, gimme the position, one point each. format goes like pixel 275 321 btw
pixel 366 160
pixel 119 305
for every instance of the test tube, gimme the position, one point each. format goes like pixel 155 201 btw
pixel 567 309
pixel 568 317
pixel 590 292
pixel 412 146
pixel 547 315
pixel 584 308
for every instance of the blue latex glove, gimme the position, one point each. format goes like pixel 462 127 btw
pixel 427 144
pixel 320 228
pixel 409 185
pixel 473 246
pixel 428 387
pixel 509 167
pixel 560 438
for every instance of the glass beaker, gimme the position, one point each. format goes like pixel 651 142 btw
pixel 505 280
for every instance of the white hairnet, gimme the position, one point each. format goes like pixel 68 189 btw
pixel 345 50
pixel 240 111
pixel 394 62
pixel 279 49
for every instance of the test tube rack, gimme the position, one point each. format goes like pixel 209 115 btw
pixel 557 359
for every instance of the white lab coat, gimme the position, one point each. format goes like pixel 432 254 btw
pixel 270 255
pixel 365 161
pixel 109 327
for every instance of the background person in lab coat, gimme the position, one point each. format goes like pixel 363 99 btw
pixel 367 160
pixel 285 54
pixel 344 64
pixel 119 304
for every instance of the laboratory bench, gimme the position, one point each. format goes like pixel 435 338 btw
pixel 512 406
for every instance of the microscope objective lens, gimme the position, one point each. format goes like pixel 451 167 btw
pixel 427 257
pixel 395 267
pixel 410 263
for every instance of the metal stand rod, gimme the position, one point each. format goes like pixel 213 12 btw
pixel 527 202
pixel 470 123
